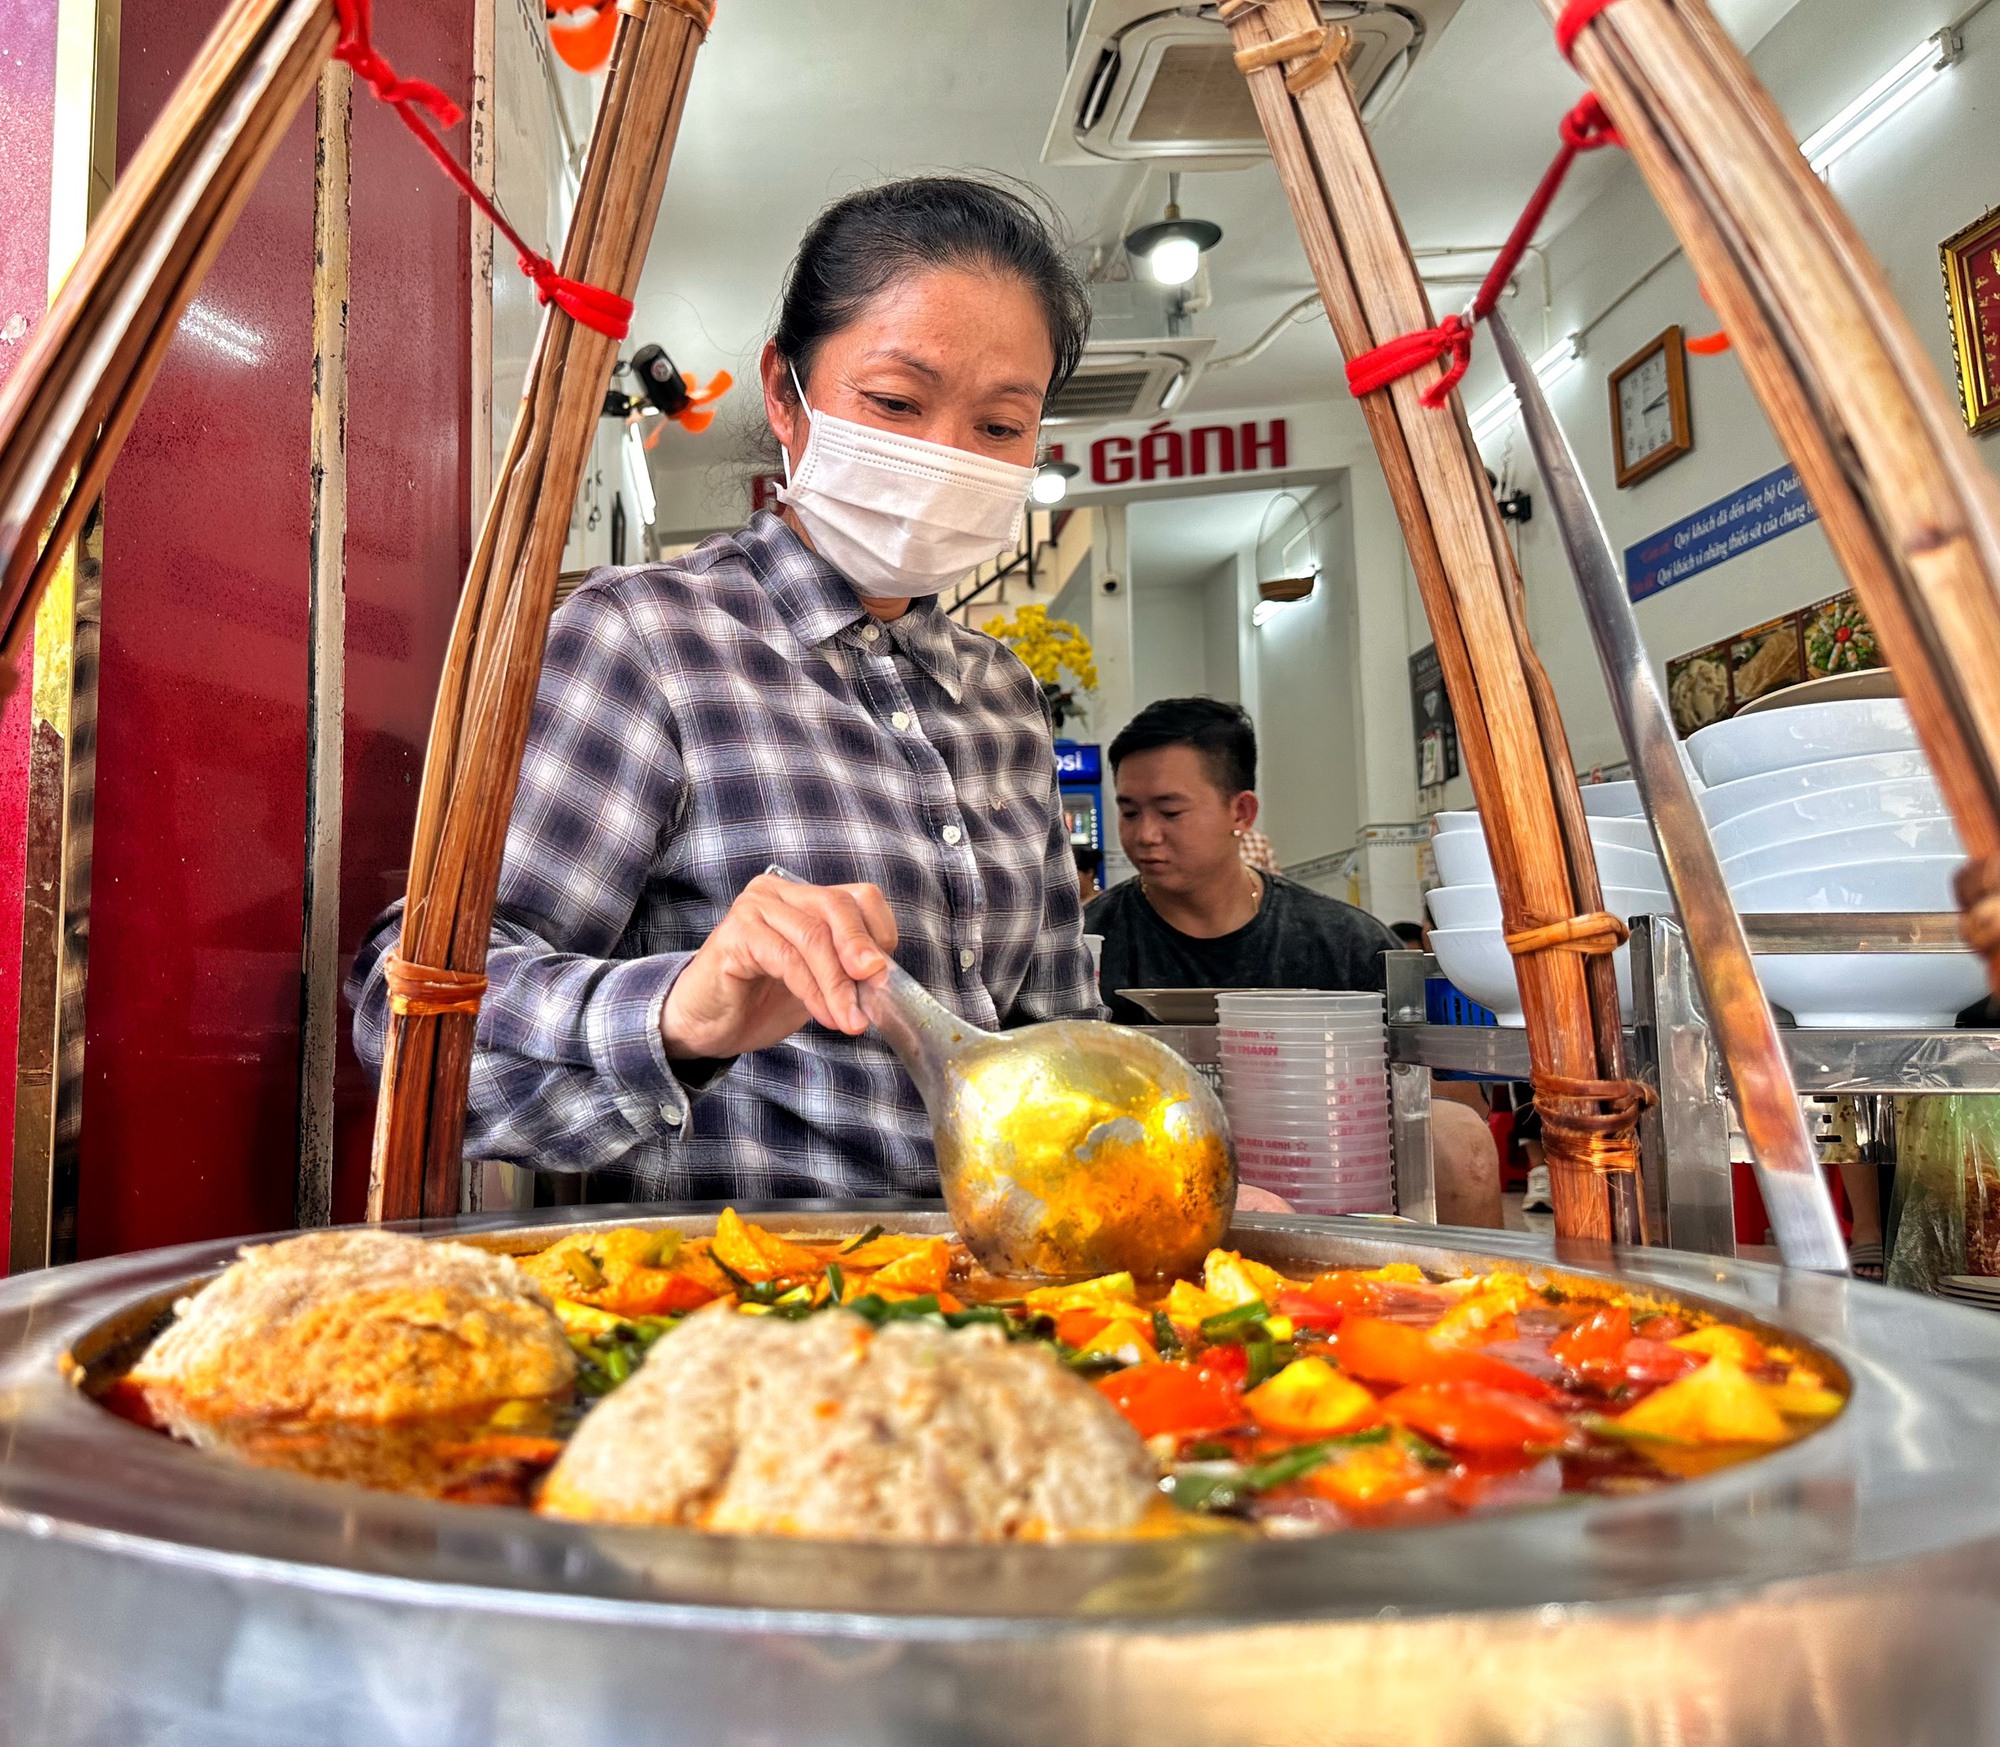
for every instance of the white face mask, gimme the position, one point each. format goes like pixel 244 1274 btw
pixel 897 516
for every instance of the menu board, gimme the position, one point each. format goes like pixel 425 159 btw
pixel 1710 684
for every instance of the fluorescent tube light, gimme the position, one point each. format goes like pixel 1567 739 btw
pixel 1900 86
pixel 1559 361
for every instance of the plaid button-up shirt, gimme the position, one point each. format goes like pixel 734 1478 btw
pixel 697 721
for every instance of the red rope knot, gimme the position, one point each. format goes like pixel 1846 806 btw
pixel 1408 353
pixel 1571 24
pixel 357 48
pixel 604 311
pixel 1587 127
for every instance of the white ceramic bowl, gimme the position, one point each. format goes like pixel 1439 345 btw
pixel 1918 882
pixel 1732 800
pixel 1612 801
pixel 1873 990
pixel 1463 859
pixel 1479 906
pixel 1632 833
pixel 1743 746
pixel 1912 837
pixel 1478 963
pixel 1900 800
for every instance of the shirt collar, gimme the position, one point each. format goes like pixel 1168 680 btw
pixel 819 603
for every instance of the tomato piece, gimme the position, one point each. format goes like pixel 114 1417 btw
pixel 662 1294
pixel 1598 1339
pixel 1307 1311
pixel 1650 1361
pixel 1393 1352
pixel 1074 1328
pixel 1470 1416
pixel 1231 1363
pixel 1182 1400
pixel 1345 1291
pixel 1661 1328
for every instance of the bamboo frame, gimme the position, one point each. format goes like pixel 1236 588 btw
pixel 1509 726
pixel 480 727
pixel 1912 513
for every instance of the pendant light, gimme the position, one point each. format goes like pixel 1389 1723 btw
pixel 1173 248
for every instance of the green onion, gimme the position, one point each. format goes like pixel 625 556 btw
pixel 972 1313
pixel 1165 1340
pixel 583 1269
pixel 665 1245
pixel 836 1282
pixel 863 1241
pixel 1219 1486
pixel 1254 1311
pixel 1426 1453
pixel 1263 1362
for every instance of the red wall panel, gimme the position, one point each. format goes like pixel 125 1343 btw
pixel 409 389
pixel 190 1110
pixel 27 132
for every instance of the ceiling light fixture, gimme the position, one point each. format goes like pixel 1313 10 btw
pixel 1051 484
pixel 1173 248
pixel 1559 361
pixel 1900 86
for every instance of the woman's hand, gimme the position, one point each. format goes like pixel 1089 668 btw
pixel 784 953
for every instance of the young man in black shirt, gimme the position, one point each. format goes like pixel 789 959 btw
pixel 1195 917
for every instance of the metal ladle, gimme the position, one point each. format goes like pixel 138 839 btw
pixel 1066 1149
pixel 1788 1173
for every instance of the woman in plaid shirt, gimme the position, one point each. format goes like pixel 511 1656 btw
pixel 662 1007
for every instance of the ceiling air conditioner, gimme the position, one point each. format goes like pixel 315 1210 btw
pixel 1149 81
pixel 1120 380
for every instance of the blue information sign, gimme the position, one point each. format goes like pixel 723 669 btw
pixel 1078 764
pixel 1760 511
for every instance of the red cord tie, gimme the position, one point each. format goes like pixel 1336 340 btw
pixel 1575 16
pixel 603 311
pixel 1584 129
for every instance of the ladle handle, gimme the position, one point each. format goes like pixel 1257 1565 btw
pixel 1795 1194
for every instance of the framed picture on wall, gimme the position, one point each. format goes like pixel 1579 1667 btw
pixel 1971 261
pixel 1651 425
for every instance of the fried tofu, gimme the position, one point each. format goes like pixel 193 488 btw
pixel 359 1327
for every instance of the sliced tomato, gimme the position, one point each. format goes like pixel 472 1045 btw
pixel 1471 1416
pixel 1183 1400
pixel 1074 1328
pixel 661 1294
pixel 1393 1352
pixel 1309 1312
pixel 1661 1328
pixel 1598 1339
pixel 1345 1292
pixel 1651 1361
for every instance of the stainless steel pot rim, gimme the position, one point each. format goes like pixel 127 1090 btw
pixel 1903 1472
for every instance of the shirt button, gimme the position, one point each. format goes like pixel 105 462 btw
pixel 965 958
pixel 952 834
pixel 900 721
pixel 870 632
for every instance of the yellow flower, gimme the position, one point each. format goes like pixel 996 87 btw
pixel 1047 646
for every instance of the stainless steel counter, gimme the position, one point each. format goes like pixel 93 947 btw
pixel 1845 1590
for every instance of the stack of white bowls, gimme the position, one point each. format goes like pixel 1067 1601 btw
pixel 1305 1080
pixel 1466 933
pixel 1827 807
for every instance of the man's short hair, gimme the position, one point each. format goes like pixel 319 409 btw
pixel 1221 733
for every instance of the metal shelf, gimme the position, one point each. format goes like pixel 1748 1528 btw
pixel 1684 1138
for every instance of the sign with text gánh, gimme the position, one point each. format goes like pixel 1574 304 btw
pixel 1168 452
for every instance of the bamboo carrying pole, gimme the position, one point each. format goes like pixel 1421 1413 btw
pixel 71 401
pixel 1912 513
pixel 1509 726
pixel 480 727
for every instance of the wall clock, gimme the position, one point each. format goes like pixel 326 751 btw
pixel 1650 423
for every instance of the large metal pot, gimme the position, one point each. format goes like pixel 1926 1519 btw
pixel 1841 1591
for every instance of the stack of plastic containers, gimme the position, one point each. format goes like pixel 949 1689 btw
pixel 1305 1080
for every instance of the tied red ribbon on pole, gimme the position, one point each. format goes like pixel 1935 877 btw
pixel 604 312
pixel 1575 17
pixel 1584 129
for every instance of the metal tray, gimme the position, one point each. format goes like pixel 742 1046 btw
pixel 1842 1590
